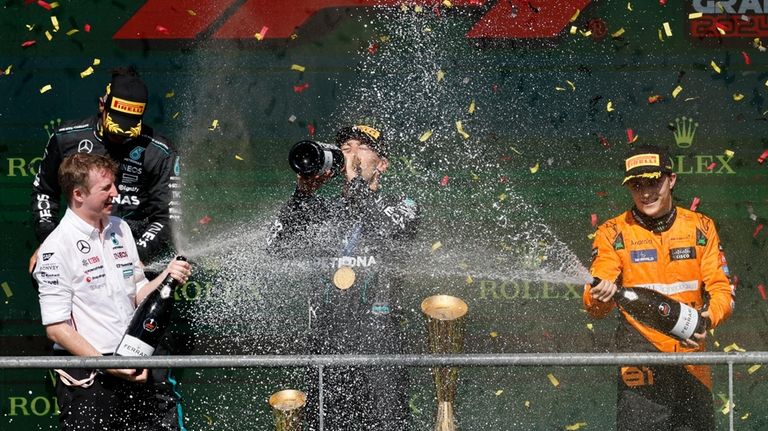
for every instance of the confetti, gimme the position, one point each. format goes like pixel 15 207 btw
pixel 629 6
pixel 205 220
pixel 761 289
pixel 471 108
pixel 46 88
pixel 593 220
pixel 695 15
pixel 553 380
pixel 311 128
pixel 86 72
pixel 745 416
pixel 263 32
pixel 7 70
pixel 55 23
pixel 440 75
pixel 720 28
pixel 695 203
pixel 714 66
pixel 575 15
pixel 573 29
pixel 162 30
pixel 654 99
pixel 176 115
pixel 298 68
pixel 292 118
pixel 737 97
pixel 676 91
pixel 87 28
pixel 169 94
pixel 733 347
pixel 762 157
pixel 667 29
pixel 534 168
pixel 44 5
pixel 618 33
pixel 494 334
pixel 757 230
pixel 96 61
pixel 73 31
pixel 754 368
pixel 576 426
pixel 28 43
pixel 436 246
pixel 729 153
pixel 631 137
pixel 591 327
pixel 237 157
pixel 461 131
pixel 499 392
pixel 747 61
pixel 559 88
pixel 300 88
pixel 444 181
pixel 214 125
pixel 48 36
pixel 609 106
pixel 191 12
pixel 604 141
pixel 711 166
pixel 373 47
pixel 527 404
pixel 573 86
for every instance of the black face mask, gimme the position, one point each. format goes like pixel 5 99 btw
pixel 656 225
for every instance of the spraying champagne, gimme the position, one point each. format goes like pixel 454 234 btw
pixel 659 311
pixel 150 321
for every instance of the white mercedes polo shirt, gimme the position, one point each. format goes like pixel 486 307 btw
pixel 89 281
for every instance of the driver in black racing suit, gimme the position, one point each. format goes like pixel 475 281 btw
pixel 354 300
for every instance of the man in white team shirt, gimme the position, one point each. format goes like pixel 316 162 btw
pixel 91 281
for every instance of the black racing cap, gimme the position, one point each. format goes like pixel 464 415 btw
pixel 368 135
pixel 646 161
pixel 125 104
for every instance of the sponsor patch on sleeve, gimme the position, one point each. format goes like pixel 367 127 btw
pixel 683 253
pixel 642 256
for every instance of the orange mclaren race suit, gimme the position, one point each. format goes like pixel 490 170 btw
pixel 680 257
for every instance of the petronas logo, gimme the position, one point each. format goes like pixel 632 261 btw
pixel 685 129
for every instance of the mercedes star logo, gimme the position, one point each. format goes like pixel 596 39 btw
pixel 85 146
pixel 83 246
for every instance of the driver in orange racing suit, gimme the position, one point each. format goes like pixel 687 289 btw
pixel 676 252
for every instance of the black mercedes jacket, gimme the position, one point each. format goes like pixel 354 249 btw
pixel 147 182
pixel 365 232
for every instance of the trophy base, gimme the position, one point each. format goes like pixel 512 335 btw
pixel 445 421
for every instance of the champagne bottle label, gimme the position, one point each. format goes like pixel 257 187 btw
pixel 132 346
pixel 327 161
pixel 686 323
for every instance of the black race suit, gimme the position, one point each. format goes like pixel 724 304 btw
pixel 147 182
pixel 362 231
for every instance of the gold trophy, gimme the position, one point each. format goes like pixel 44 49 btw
pixel 446 335
pixel 288 408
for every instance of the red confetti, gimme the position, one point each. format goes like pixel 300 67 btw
pixel 205 220
pixel 444 181
pixel 721 27
pixel 663 2
pixel 594 220
pixel 746 58
pixel 311 129
pixel 604 141
pixel 761 289
pixel 29 43
pixel 43 5
pixel 762 157
pixel 630 136
pixel 711 166
pixel 654 99
pixel 695 203
pixel 504 179
pixel 87 28
pixel 160 29
pixel 757 230
pixel 436 10
pixel 601 194
pixel 300 88
pixel 372 48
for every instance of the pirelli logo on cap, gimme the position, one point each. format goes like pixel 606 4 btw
pixel 370 131
pixel 642 160
pixel 126 106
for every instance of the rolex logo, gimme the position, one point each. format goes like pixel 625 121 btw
pixel 685 129
pixel 51 127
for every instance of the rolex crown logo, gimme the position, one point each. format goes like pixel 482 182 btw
pixel 685 129
pixel 51 127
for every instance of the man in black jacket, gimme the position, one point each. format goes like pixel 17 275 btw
pixel 354 301
pixel 147 180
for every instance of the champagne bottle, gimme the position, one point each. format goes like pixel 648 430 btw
pixel 150 321
pixel 309 158
pixel 659 311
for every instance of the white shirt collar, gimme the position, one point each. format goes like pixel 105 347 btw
pixel 83 226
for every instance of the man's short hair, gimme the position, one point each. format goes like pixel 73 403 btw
pixel 74 170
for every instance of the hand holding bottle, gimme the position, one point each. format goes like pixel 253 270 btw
pixel 604 290
pixel 180 270
pixel 698 338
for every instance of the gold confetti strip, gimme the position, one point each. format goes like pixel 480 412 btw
pixel 629 6
pixel 46 88
pixel 298 68
pixel 461 131
pixel 447 3
pixel 586 33
pixel 729 153
pixel 86 72
pixel 534 168
pixel 737 97
pixel 436 246
pixel 214 125
pixel 73 31
pixel 591 327
pixel 494 334
pixel 660 36
pixel 695 15
pixel 191 12
pixel 576 426
pixel 573 86
pixel 676 91
pixel 418 9
pixel 754 368
pixel 499 392
pixel 715 67
pixel 527 404
pixel 54 5
pixel 48 36
pixel 470 280
pixel 576 15
pixel 591 236
pixel 55 23
pixel 667 29
pixel 169 94
pixel 502 197
pixel 471 109
pixel 573 29
pixel 8 70
pixel 609 106
pixel 440 75
pixel 617 33
pixel 745 417
pixel 559 88
pixel 732 347
pixel 553 380
pixel 237 157
pixel 96 61
pixel 424 136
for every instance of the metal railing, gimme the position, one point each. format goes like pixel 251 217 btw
pixel 460 360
